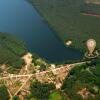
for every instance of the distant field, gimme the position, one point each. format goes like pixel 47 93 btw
pixel 65 17
pixel 93 1
pixel 92 9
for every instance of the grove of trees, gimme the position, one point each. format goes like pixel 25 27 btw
pixel 83 77
pixel 41 91
pixel 11 50
pixel 4 95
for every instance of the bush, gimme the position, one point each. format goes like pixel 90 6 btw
pixel 11 50
pixel 41 90
pixel 4 95
pixel 16 98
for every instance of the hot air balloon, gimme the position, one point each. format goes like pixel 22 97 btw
pixel 91 44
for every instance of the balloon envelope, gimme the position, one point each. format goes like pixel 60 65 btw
pixel 91 44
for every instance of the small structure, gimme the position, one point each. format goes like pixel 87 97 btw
pixel 28 60
pixel 91 45
pixel 68 43
pixel 58 85
pixel 84 93
pixel 53 66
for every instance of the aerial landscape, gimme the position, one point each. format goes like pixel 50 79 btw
pixel 49 50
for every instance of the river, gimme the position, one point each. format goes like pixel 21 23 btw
pixel 20 18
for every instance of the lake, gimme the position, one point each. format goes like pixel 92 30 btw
pixel 21 19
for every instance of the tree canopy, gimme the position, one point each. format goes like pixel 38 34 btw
pixel 41 90
pixel 4 95
pixel 11 50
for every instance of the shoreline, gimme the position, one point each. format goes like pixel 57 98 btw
pixel 51 27
pixel 55 34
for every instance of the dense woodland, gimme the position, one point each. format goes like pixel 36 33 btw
pixel 41 91
pixel 11 50
pixel 80 77
pixel 4 95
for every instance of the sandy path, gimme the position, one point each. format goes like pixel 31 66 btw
pixel 93 2
pixel 90 14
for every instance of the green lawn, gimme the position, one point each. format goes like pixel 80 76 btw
pixel 53 96
pixel 56 96
pixel 33 99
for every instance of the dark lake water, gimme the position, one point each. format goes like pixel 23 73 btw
pixel 19 18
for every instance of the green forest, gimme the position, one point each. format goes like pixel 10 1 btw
pixel 86 77
pixel 4 94
pixel 11 50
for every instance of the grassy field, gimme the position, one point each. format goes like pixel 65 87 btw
pixel 66 19
pixel 91 8
pixel 56 96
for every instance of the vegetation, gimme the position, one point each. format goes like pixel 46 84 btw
pixel 91 9
pixel 56 96
pixel 16 98
pixel 11 50
pixel 4 95
pixel 82 77
pixel 41 91
pixel 67 20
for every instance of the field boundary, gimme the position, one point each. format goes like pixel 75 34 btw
pixel 91 14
